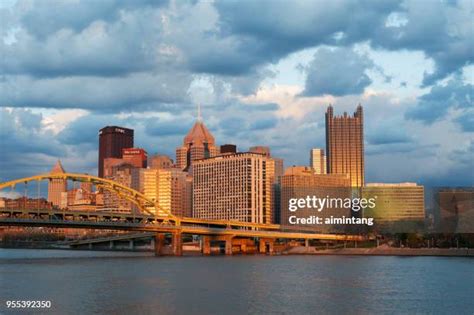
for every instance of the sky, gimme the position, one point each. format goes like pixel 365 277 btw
pixel 264 73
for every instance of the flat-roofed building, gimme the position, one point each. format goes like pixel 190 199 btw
pixel 234 187
pixel 168 187
pixel 122 174
pixel 395 202
pixel 301 182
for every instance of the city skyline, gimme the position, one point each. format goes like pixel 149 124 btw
pixel 417 94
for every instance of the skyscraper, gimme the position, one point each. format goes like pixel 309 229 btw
pixel 112 140
pixel 234 187
pixel 345 145
pixel 198 144
pixel 317 160
pixel 56 186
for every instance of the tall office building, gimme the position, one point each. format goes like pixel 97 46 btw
pixel 198 144
pixel 317 160
pixel 112 140
pixel 56 186
pixel 168 187
pixel 234 187
pixel 345 145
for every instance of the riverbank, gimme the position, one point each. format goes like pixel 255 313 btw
pixel 383 251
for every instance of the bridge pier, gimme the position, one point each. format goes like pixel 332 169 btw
pixel 177 243
pixel 228 245
pixel 206 245
pixel 159 243
pixel 263 242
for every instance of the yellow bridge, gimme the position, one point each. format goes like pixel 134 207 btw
pixel 231 232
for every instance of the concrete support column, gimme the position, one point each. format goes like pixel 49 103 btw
pixel 177 243
pixel 159 243
pixel 306 243
pixel 270 246
pixel 90 245
pixel 261 247
pixel 243 248
pixel 130 244
pixel 228 245
pixel 111 245
pixel 206 245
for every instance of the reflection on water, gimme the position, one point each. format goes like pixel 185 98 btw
pixel 82 282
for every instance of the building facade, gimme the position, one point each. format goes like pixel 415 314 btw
pixel 112 139
pixel 345 145
pixel 135 156
pixel 158 161
pixel 234 187
pixel 261 150
pixel 122 174
pixel 395 202
pixel 317 160
pixel 56 186
pixel 170 188
pixel 299 182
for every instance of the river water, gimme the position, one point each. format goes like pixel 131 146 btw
pixel 88 282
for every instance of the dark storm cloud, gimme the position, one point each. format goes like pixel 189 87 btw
pixel 85 130
pixel 435 104
pixel 390 137
pixel 20 133
pixel 264 124
pixel 466 120
pixel 338 72
pixel 137 92
pixel 79 55
pixel 45 17
pixel 24 144
pixel 443 32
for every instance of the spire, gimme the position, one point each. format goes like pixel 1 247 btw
pixel 58 168
pixel 199 118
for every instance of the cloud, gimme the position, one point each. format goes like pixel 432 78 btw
pixel 466 120
pixel 136 92
pixel 443 31
pixel 434 105
pixel 339 71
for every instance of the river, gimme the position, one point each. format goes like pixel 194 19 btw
pixel 85 282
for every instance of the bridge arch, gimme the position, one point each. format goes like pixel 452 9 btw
pixel 139 199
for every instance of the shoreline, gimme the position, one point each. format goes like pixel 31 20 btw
pixel 301 250
pixel 384 251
